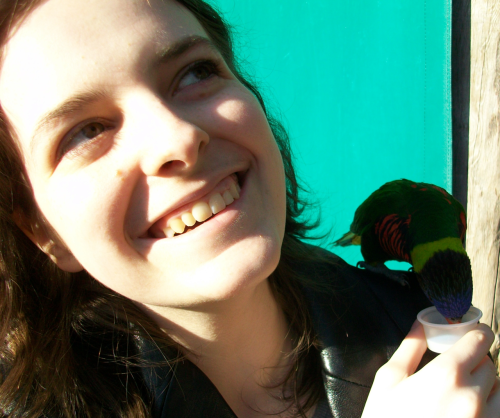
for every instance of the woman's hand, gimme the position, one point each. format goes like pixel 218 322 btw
pixel 460 383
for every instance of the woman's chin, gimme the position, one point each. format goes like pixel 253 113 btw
pixel 244 267
pixel 232 273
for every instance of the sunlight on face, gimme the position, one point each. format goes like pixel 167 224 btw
pixel 129 120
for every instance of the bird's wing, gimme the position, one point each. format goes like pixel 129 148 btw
pixel 392 233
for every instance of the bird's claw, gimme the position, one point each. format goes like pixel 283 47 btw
pixel 398 277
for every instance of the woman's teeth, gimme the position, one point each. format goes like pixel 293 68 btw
pixel 201 211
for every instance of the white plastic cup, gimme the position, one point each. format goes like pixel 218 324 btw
pixel 439 334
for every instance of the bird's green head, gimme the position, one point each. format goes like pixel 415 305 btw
pixel 446 279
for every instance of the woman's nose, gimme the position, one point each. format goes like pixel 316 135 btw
pixel 169 141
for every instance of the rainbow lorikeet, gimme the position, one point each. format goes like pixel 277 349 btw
pixel 421 224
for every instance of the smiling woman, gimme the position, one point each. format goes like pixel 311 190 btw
pixel 145 166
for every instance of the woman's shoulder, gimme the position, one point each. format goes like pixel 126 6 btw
pixel 354 307
pixel 347 296
pixel 360 319
pixel 327 278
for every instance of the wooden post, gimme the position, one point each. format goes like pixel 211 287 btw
pixel 483 234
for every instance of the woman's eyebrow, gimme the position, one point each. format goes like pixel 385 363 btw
pixel 180 47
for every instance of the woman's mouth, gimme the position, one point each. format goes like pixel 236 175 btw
pixel 224 195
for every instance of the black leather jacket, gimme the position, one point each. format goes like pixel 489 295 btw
pixel 360 325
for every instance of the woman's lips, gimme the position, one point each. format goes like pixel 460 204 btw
pixel 223 195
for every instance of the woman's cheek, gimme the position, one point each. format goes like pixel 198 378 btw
pixel 70 202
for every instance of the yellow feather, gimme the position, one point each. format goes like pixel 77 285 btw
pixel 422 252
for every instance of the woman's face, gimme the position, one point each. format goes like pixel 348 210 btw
pixel 127 118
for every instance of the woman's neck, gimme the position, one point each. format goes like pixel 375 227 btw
pixel 241 344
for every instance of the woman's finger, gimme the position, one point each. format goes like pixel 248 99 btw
pixel 405 360
pixel 471 349
pixel 484 376
pixel 496 387
pixel 493 402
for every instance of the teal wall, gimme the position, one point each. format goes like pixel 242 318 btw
pixel 363 87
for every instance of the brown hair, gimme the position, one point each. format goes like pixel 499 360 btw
pixel 52 322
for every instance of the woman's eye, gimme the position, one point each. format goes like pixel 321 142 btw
pixel 199 71
pixel 90 131
pixel 82 136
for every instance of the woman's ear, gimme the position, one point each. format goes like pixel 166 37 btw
pixel 55 249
